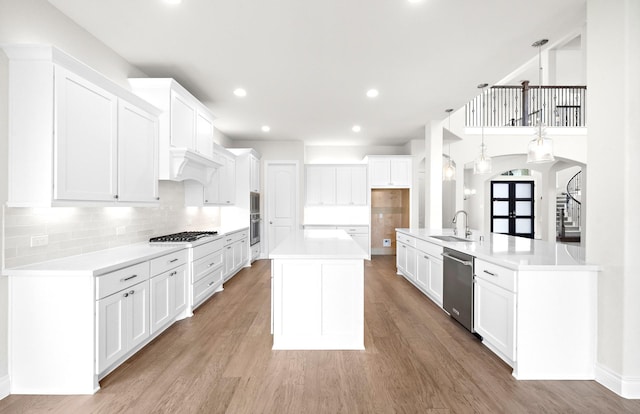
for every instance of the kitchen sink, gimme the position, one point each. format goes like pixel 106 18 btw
pixel 452 239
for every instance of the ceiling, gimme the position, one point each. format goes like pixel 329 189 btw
pixel 306 66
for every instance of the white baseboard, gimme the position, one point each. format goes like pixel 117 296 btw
pixel 5 386
pixel 627 387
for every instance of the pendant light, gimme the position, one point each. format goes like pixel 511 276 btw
pixel 449 171
pixel 540 148
pixel 482 164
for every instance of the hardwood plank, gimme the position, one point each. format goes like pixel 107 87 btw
pixel 416 359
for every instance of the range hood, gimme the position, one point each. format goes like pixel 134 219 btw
pixel 186 164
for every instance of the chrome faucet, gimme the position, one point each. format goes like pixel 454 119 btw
pixel 467 230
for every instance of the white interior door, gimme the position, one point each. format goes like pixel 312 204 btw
pixel 281 200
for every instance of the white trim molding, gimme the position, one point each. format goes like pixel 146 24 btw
pixel 627 387
pixel 5 386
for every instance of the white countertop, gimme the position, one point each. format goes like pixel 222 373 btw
pixel 318 244
pixel 96 263
pixel 516 253
pixel 104 261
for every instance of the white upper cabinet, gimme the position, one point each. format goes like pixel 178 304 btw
pixel 351 185
pixel 204 133
pixel 86 135
pixel 137 154
pixel 328 185
pixel 321 185
pixel 221 187
pixel 185 131
pixel 75 136
pixel 254 177
pixel 390 171
pixel 183 121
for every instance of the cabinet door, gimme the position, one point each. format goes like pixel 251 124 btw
pixel 112 342
pixel 411 263
pixel 423 269
pixel 435 287
pixel 138 314
pixel 321 185
pixel 254 167
pixel 162 301
pixel 228 182
pixel 400 172
pixel 344 192
pixel 212 189
pixel 137 154
pixel 401 257
pixel 379 172
pixel 179 286
pixel 85 140
pixel 183 122
pixel 228 260
pixel 359 188
pixel 494 316
pixel 204 134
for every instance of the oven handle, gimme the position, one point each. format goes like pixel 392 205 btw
pixel 455 259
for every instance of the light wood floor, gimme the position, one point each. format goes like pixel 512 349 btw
pixel 417 360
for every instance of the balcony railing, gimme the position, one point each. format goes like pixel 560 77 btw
pixel 559 106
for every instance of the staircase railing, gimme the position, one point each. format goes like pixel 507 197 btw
pixel 558 106
pixel 574 188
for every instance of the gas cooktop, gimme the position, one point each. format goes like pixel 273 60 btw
pixel 185 236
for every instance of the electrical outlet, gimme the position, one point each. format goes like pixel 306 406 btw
pixel 120 230
pixel 39 240
pixel 386 242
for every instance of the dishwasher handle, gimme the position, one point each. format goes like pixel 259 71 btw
pixel 455 259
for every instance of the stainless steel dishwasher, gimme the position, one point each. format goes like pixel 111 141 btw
pixel 458 286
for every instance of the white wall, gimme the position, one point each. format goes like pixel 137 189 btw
pixel 4 93
pixel 348 154
pixel 613 62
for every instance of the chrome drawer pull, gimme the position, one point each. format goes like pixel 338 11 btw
pixel 131 292
pixel 173 273
pixel 128 278
pixel 174 260
pixel 212 264
pixel 489 273
pixel 211 283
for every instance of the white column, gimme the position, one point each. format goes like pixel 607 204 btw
pixel 433 175
pixel 613 221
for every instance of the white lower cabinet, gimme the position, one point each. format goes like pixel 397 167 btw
pixel 236 252
pixel 168 296
pixel 207 271
pixel 123 323
pixel 495 308
pixel 421 265
pixel 494 317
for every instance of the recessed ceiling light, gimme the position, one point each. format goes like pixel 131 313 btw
pixel 372 93
pixel 356 128
pixel 414 1
pixel 266 128
pixel 173 1
pixel 240 92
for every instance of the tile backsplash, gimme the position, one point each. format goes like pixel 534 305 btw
pixel 77 230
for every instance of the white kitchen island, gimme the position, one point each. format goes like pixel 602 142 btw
pixel 317 291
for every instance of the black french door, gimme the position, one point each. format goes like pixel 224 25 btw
pixel 512 208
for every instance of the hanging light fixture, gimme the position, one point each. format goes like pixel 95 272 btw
pixel 540 148
pixel 449 171
pixel 482 164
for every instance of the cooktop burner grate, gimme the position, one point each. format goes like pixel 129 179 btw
pixel 185 236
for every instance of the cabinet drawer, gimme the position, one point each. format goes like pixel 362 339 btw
pixel 208 248
pixel 203 288
pixel 205 265
pixel 403 238
pixel 355 229
pixel 495 274
pixel 429 248
pixel 113 282
pixel 163 263
pixel 234 237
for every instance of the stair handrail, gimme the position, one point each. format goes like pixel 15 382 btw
pixel 573 204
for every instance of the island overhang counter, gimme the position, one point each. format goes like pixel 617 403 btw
pixel 317 291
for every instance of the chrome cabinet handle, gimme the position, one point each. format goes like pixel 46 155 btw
pixel 126 295
pixel 489 273
pixel 173 273
pixel 128 278
pixel 211 283
pixel 455 259
pixel 131 292
pixel 212 264
pixel 174 260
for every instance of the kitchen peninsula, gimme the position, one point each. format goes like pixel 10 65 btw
pixel 534 302
pixel 317 291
